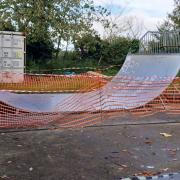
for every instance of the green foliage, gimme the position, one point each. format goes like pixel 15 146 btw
pixel 94 52
pixel 48 21
pixel 104 51
pixel 118 50
pixel 173 21
pixel 134 46
pixel 111 71
pixel 88 46
pixel 6 26
pixel 40 51
pixel 178 75
pixel 175 15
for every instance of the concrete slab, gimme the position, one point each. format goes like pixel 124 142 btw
pixel 98 153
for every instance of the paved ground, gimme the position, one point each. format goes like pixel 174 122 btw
pixel 94 153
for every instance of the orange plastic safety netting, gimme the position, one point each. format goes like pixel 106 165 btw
pixel 90 100
pixel 48 83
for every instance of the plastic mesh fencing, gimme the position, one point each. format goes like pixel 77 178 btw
pixel 92 100
pixel 47 83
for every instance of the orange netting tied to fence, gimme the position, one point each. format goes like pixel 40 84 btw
pixel 83 100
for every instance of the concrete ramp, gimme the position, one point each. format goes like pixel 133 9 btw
pixel 141 79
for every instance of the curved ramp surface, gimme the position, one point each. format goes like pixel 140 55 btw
pixel 141 79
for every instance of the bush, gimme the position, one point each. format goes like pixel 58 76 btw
pixel 90 51
pixel 40 52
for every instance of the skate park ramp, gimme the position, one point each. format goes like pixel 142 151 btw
pixel 143 77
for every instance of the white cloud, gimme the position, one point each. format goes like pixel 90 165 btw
pixel 161 6
pixel 150 12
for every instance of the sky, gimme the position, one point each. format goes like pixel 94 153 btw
pixel 149 13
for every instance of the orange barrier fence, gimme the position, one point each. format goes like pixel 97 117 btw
pixel 35 83
pixel 90 105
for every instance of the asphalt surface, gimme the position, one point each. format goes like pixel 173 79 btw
pixel 110 151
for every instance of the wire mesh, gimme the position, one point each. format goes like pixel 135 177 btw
pixel 93 104
pixel 140 89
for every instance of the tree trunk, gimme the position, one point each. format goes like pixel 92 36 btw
pixel 100 60
pixel 58 47
pixel 66 52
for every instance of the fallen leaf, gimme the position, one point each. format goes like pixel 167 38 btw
pixel 148 142
pixel 124 150
pixel 165 170
pixel 150 167
pixel 19 145
pixel 146 174
pixel 30 169
pixel 173 150
pixel 124 166
pixel 4 177
pixel 172 153
pixel 134 137
pixel 166 135
pixel 121 169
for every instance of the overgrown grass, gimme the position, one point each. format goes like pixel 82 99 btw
pixel 111 71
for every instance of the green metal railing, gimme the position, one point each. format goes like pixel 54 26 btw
pixel 160 43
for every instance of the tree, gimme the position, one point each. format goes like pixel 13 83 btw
pixel 46 21
pixel 167 25
pixel 88 46
pixel 29 17
pixel 40 51
pixel 175 15
pixel 118 24
pixel 119 48
pixel 168 38
pixel 6 26
pixel 105 51
pixel 173 21
pixel 74 18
